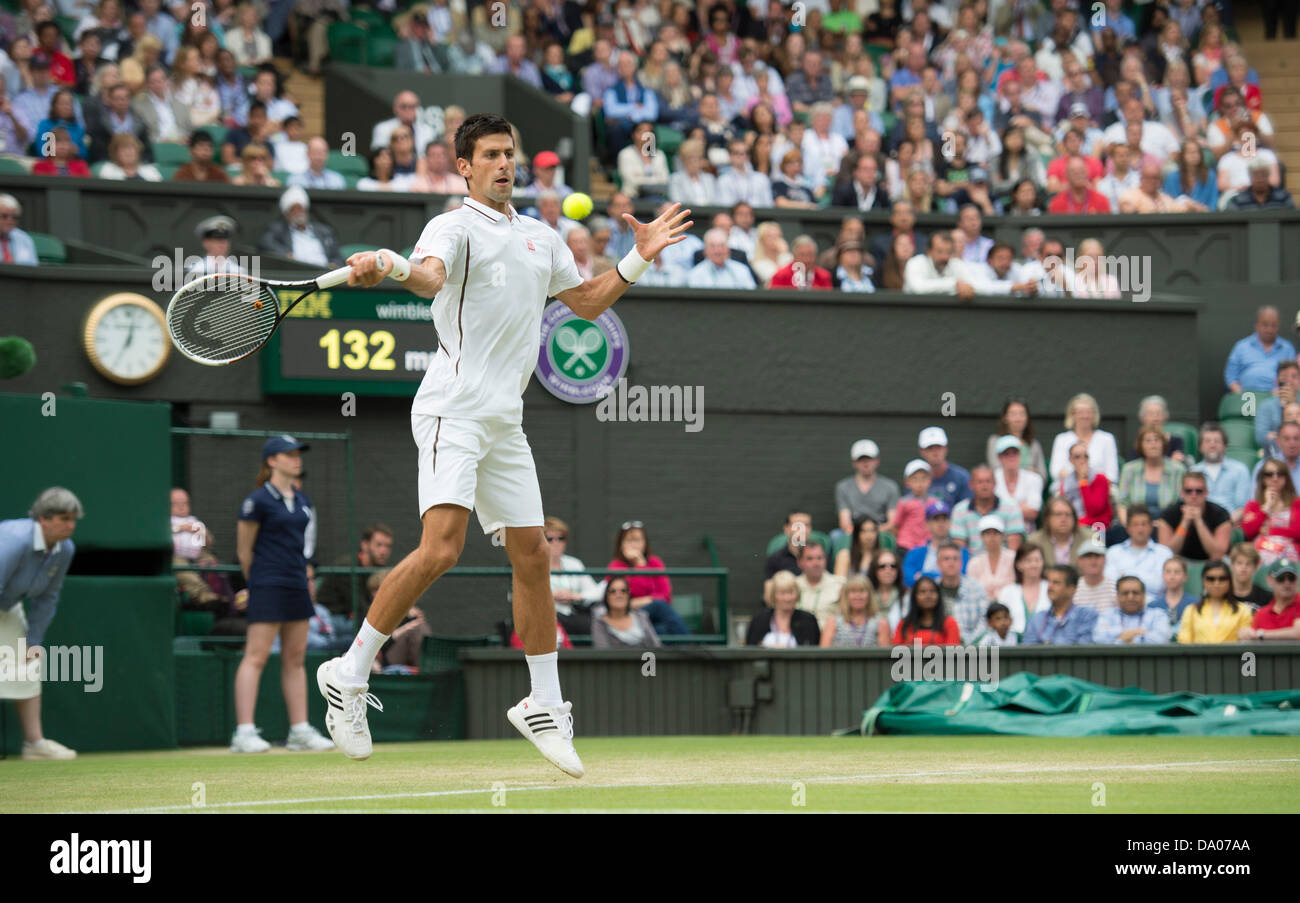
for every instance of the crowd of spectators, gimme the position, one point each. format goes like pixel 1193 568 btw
pixel 1085 543
pixel 968 108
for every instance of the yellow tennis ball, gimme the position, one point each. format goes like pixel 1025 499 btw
pixel 577 206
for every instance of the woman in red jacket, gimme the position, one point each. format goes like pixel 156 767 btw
pixel 654 594
pixel 1272 517
pixel 926 620
pixel 1088 492
pixel 65 161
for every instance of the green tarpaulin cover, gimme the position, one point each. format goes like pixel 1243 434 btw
pixel 1060 706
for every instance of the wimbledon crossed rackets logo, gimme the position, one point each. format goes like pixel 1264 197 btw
pixel 578 342
pixel 579 361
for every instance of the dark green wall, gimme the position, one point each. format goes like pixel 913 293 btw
pixel 817 691
pixel 131 619
pixel 114 455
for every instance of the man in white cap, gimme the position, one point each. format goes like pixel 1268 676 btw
pixel 865 493
pixel 1096 590
pixel 857 92
pixel 215 232
pixel 951 481
pixel 297 237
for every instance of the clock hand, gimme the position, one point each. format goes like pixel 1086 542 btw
pixel 127 344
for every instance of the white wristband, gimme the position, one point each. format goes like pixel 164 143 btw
pixel 401 266
pixel 632 267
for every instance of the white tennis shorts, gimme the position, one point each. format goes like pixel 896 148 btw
pixel 486 466
pixel 13 627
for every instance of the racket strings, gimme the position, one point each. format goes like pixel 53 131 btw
pixel 218 319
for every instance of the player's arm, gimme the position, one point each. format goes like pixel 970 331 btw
pixel 590 299
pixel 370 268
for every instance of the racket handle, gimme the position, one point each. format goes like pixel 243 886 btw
pixel 401 266
pixel 333 278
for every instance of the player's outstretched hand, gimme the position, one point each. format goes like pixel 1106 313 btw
pixel 368 268
pixel 668 229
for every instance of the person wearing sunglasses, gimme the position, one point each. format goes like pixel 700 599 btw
pixel 1280 619
pixel 654 594
pixel 1217 618
pixel 1195 527
pixel 1272 518
pixel 574 593
pixel 620 625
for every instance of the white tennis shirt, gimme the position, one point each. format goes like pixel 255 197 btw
pixel 500 271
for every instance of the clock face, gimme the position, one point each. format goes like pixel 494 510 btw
pixel 126 340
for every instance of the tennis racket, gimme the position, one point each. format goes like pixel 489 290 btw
pixel 225 317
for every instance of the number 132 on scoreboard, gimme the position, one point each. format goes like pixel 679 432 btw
pixel 357 349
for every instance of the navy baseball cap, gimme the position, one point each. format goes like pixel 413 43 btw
pixel 277 444
pixel 937 508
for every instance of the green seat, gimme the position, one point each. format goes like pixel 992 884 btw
pixel 1193 587
pixel 1186 432
pixel 12 167
pixel 1261 577
pixel 68 25
pixel 1231 406
pixel 668 140
pixel 97 169
pixel 218 133
pixel 690 608
pixel 281 176
pixel 346 164
pixel 234 169
pixel 347 43
pixel 367 17
pixel 166 152
pixel 197 623
pixel 351 180
pixel 380 48
pixel 346 251
pixel 816 536
pixel 407 252
pixel 1245 456
pixel 248 72
pixel 168 171
pixel 1241 435
pixel 49 248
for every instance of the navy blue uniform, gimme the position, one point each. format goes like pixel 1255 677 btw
pixel 277 581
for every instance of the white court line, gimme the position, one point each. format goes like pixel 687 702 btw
pixel 828 779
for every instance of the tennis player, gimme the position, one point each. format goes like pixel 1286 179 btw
pixel 489 272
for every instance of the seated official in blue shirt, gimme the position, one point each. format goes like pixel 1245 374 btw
pixel 1064 623
pixel 35 553
pixel 717 269
pixel 1133 622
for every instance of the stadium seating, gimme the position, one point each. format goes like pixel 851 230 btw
pixel 1187 433
pixel 12 167
pixel 49 248
pixel 166 152
pixel 347 43
pixel 347 165
pixel 1231 407
pixel 346 251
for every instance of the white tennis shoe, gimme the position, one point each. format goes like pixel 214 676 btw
pixel 307 739
pixel 551 730
pixel 46 750
pixel 345 715
pixel 248 742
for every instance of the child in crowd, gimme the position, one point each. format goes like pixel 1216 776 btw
pixel 999 632
pixel 908 523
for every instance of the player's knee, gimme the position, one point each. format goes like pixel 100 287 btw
pixel 437 558
pixel 532 558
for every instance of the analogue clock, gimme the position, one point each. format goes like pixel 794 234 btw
pixel 126 338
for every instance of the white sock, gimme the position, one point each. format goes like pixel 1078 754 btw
pixel 545 672
pixel 245 728
pixel 361 654
pixel 300 726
